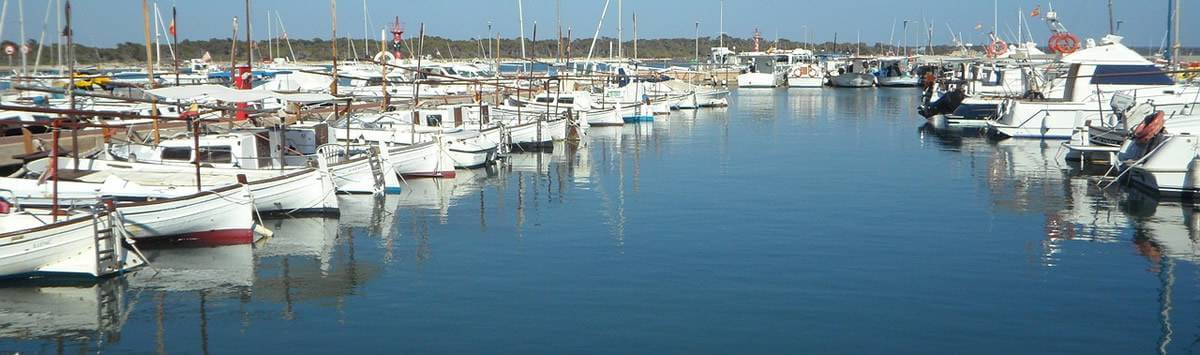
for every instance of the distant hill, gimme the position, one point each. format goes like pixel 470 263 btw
pixel 317 49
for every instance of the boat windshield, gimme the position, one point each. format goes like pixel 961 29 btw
pixel 1130 75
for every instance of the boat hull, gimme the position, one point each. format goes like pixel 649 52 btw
pixel 424 160
pixel 218 217
pixel 29 247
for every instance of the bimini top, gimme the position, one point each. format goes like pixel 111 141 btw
pixel 221 93
pixel 1110 52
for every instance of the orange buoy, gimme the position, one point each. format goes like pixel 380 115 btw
pixel 996 48
pixel 1064 43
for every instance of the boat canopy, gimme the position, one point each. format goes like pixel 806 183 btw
pixel 221 93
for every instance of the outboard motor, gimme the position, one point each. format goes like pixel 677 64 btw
pixel 944 105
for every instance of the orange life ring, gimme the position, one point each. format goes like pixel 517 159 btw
pixel 1150 127
pixel 1064 43
pixel 996 48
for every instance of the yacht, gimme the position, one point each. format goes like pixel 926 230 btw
pixel 1091 77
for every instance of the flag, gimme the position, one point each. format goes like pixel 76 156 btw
pixel 978 26
pixel 1037 11
pixel 171 29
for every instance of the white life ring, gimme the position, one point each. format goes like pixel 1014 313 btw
pixel 384 54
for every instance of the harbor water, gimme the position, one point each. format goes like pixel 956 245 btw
pixel 792 221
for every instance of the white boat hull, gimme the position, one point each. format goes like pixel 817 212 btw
pixel 898 81
pixel 759 80
pixel 427 159
pixel 806 82
pixel 29 246
pixel 274 191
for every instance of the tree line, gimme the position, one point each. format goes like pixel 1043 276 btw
pixel 319 49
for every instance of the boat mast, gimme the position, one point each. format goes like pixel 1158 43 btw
pixel 995 17
pixel 1020 22
pixel 4 15
pixel 157 38
pixel 270 39
pixel 58 40
pixel 1175 45
pixel 721 35
pixel 366 31
pixel 595 36
pixel 285 36
pixel 333 85
pixel 249 45
pixel 150 71
pixel 233 52
pixel 37 58
pixel 1112 22
pixel 558 26
pixel 71 102
pixel 333 42
pixel 521 17
pixel 620 30
pixel 23 43
pixel 175 44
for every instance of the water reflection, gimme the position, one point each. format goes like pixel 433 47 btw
pixel 807 103
pixel 225 270
pixel 413 249
pixel 89 313
pixel 1028 176
pixel 1164 229
pixel 756 103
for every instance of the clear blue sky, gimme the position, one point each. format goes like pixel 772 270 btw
pixel 106 22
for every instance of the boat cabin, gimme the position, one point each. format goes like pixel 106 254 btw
pixel 1108 67
pixel 250 148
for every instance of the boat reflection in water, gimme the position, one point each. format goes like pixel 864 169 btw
pixel 1026 176
pixel 87 313
pixel 1164 232
pixel 1164 229
pixel 223 270
pixel 314 258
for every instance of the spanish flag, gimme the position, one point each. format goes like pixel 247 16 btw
pixel 1037 11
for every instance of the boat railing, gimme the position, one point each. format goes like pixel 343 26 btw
pixel 337 153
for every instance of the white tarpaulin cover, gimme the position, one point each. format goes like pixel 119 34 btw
pixel 225 94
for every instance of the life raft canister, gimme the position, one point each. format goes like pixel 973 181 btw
pixel 1150 127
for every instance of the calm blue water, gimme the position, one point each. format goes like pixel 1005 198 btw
pixel 790 222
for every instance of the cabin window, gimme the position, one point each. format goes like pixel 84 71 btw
pixel 433 120
pixel 182 153
pixel 217 154
pixel 566 100
pixel 1130 75
pixel 545 100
